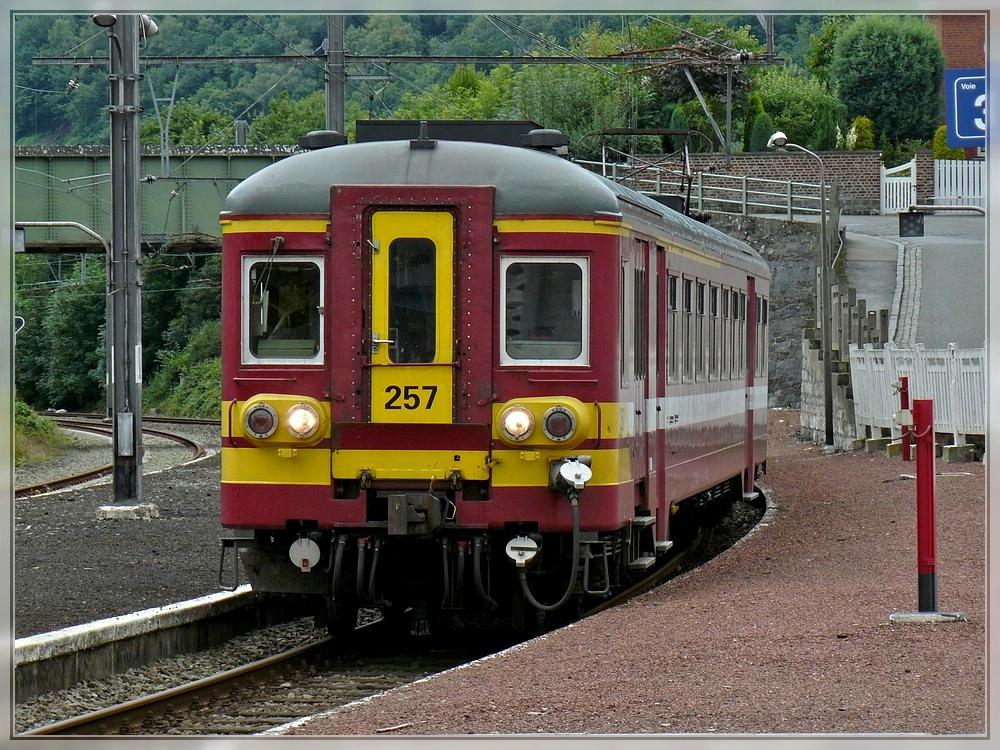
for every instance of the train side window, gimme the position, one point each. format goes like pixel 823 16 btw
pixel 761 369
pixel 713 332
pixel 744 338
pixel 546 316
pixel 735 367
pixel 282 310
pixel 673 350
pixel 725 342
pixel 700 335
pixel 687 338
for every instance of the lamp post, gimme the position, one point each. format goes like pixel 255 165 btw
pixel 780 140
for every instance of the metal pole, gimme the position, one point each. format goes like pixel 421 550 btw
pixel 124 272
pixel 826 325
pixel 335 73
pixel 904 405
pixel 923 426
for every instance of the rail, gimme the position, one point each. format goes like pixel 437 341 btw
pixel 708 191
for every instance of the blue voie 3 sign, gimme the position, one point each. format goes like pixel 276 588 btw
pixel 965 106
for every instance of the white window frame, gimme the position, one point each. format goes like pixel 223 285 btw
pixel 583 263
pixel 246 356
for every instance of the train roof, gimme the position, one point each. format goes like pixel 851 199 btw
pixel 527 181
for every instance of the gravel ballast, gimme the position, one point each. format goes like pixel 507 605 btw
pixel 788 632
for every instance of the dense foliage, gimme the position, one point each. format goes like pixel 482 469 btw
pixel 891 69
pixel 837 85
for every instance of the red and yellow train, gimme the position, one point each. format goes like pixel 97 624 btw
pixel 467 381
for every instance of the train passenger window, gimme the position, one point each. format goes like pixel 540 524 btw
pixel 687 333
pixel 673 350
pixel 282 310
pixel 713 332
pixel 726 343
pixel 546 311
pixel 700 336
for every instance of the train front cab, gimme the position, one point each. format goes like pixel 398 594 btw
pixel 405 390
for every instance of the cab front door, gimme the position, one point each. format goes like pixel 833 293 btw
pixel 411 336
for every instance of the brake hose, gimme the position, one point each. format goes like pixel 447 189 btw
pixel 573 495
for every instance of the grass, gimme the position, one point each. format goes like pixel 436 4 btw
pixel 36 438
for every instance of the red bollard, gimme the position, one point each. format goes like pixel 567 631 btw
pixel 904 405
pixel 923 430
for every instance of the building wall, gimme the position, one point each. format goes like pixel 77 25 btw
pixel 963 39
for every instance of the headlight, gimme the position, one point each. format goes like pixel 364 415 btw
pixel 302 421
pixel 559 424
pixel 517 422
pixel 261 420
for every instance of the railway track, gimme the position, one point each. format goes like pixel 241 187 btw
pixel 94 425
pixel 303 681
pixel 269 692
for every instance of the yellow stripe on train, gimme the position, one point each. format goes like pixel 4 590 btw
pixel 279 465
pixel 422 465
pixel 566 226
pixel 240 226
pixel 530 468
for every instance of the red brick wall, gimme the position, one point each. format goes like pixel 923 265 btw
pixel 962 39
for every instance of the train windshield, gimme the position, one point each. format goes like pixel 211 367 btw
pixel 545 320
pixel 282 310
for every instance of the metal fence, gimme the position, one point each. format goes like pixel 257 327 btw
pixel 954 379
pixel 734 194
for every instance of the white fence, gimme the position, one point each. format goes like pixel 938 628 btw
pixel 959 183
pixel 954 379
pixel 899 187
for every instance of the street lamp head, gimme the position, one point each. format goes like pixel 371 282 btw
pixel 778 140
pixel 149 27
pixel 104 20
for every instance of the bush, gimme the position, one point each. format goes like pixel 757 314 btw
pixel 763 129
pixel 35 438
pixel 188 382
pixel 199 392
pixel 941 148
pixel 861 134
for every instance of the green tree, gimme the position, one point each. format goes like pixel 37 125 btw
pixel 754 108
pixel 190 125
pixel 289 119
pixel 763 129
pixel 891 69
pixel 678 121
pixel 466 95
pixel 823 44
pixel 794 100
pixel 825 136
pixel 73 328
pixel 713 52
